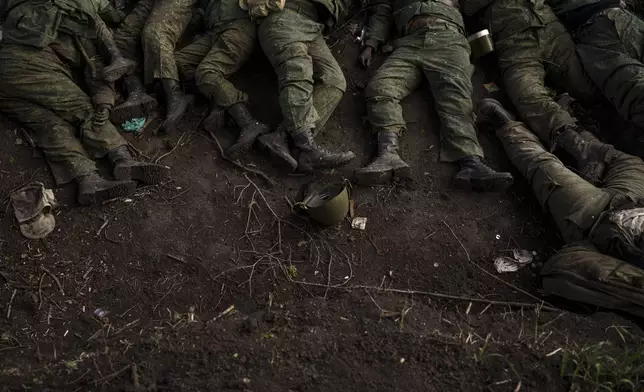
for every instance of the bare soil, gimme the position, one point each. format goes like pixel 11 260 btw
pixel 212 282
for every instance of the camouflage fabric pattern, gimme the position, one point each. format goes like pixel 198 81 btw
pixel 611 48
pixel 574 203
pixel 128 34
pixel 441 54
pixel 40 89
pixel 533 46
pixel 310 80
pixel 213 58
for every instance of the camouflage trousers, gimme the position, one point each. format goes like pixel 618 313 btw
pixel 440 53
pixel 41 90
pixel 611 47
pixel 310 80
pixel 574 203
pixel 213 58
pixel 533 57
pixel 153 28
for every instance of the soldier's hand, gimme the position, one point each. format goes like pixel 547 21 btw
pixel 101 116
pixel 366 57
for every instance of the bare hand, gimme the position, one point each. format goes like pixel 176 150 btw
pixel 366 57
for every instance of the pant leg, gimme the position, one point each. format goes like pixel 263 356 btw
pixel 446 64
pixel 573 202
pixel 189 57
pixel 610 49
pixel 562 63
pixel 165 26
pixel 232 46
pixel 128 34
pixel 37 90
pixel 396 78
pixel 285 37
pixel 329 82
pixel 523 76
pixel 625 174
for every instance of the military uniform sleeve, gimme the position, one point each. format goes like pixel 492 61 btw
pixel 379 23
pixel 108 13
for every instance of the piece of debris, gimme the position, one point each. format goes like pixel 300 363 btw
pixel 101 313
pixel 134 125
pixel 33 205
pixel 498 236
pixel 491 87
pixel 520 258
pixel 359 223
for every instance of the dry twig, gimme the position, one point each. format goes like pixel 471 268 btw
pixel 60 286
pixel 13 295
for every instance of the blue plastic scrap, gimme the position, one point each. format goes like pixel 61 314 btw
pixel 134 125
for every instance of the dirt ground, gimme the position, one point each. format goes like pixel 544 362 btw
pixel 212 282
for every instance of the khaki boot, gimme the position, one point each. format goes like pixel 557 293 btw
pixel 126 168
pixel 475 175
pixel 314 157
pixel 387 165
pixel 276 143
pixel 249 130
pixel 137 104
pixel 93 189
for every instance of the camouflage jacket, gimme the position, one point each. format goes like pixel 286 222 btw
pixel 222 11
pixel 38 22
pixel 400 13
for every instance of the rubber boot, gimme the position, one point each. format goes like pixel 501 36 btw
pixel 313 157
pixel 491 111
pixel 387 165
pixel 589 153
pixel 137 104
pixel 215 120
pixel 93 189
pixel 475 175
pixel 177 103
pixel 276 143
pixel 127 168
pixel 249 130
pixel 119 66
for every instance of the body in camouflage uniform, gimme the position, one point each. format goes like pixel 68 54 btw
pixel 610 43
pixel 534 47
pixel 155 26
pixel 213 58
pixel 602 227
pixel 42 67
pixel 310 80
pixel 432 46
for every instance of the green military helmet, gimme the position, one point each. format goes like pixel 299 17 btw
pixel 328 205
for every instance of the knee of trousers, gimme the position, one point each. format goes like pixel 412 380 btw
pixel 294 64
pixel 334 79
pixel 152 36
pixel 378 90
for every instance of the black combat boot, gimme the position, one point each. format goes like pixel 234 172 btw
pixel 387 165
pixel 93 189
pixel 589 153
pixel 492 112
pixel 276 143
pixel 177 103
pixel 216 119
pixel 475 175
pixel 249 130
pixel 119 65
pixel 137 104
pixel 313 157
pixel 126 168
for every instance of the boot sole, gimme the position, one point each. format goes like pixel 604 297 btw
pixel 288 162
pixel 308 167
pixel 147 173
pixel 242 147
pixel 485 184
pixel 172 122
pixel 112 75
pixel 379 178
pixel 127 111
pixel 104 195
